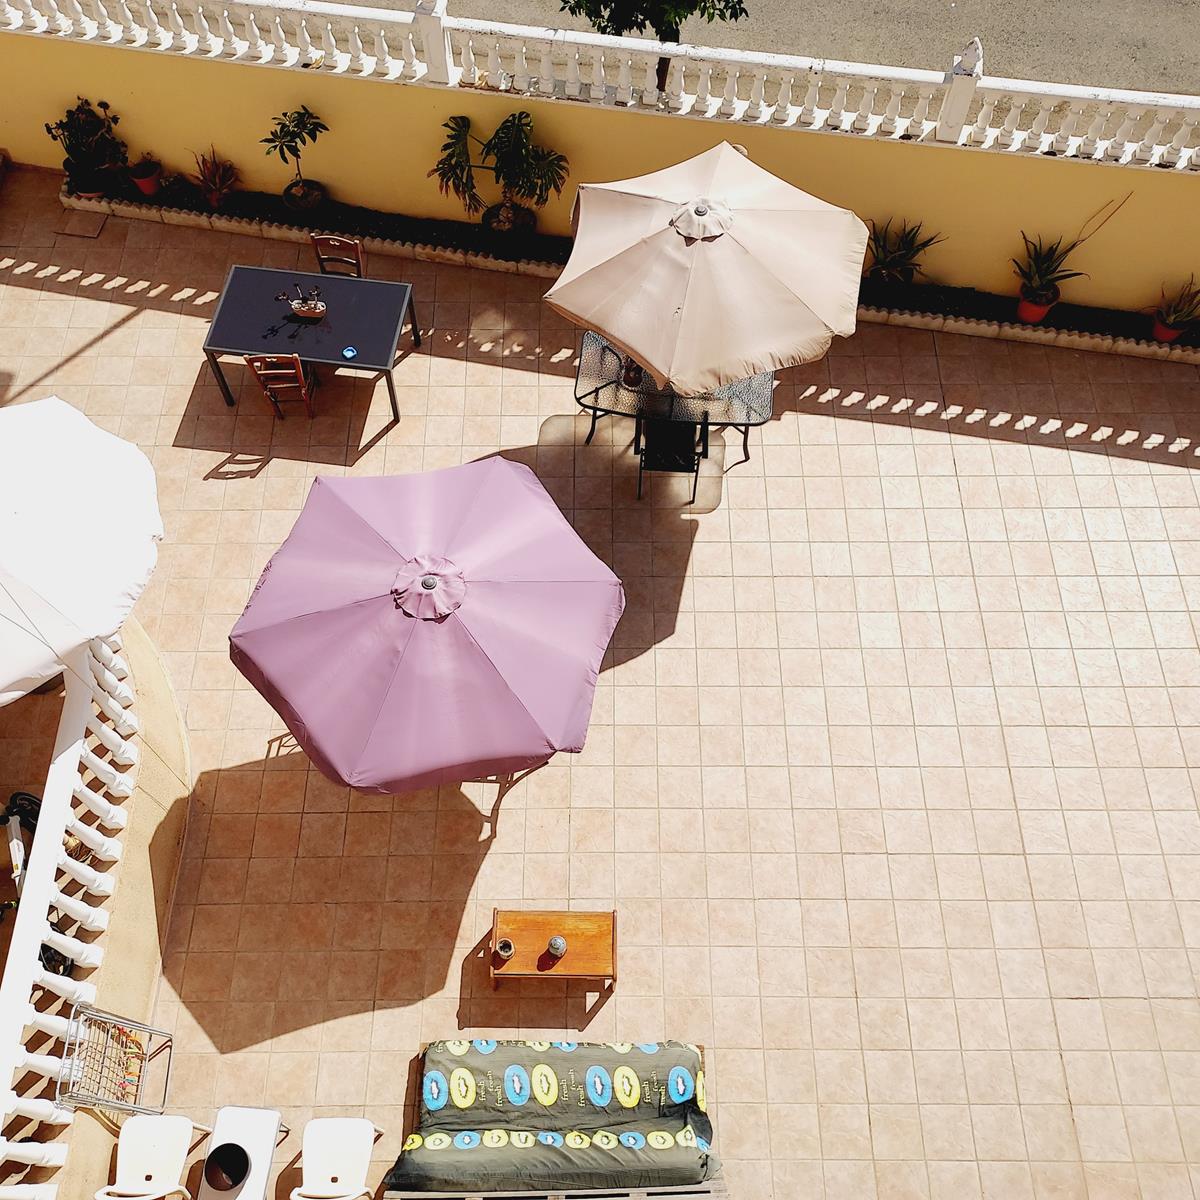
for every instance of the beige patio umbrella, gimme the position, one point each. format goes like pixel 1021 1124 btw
pixel 712 270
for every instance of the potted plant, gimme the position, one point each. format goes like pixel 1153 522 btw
pixel 146 173
pixel 293 131
pixel 525 172
pixel 896 255
pixel 1042 268
pixel 216 177
pixel 1176 311
pixel 93 150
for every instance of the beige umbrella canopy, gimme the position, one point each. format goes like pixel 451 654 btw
pixel 712 270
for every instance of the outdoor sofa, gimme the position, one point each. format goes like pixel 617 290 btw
pixel 560 1119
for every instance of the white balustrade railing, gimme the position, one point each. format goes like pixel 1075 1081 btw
pixel 61 897
pixel 958 107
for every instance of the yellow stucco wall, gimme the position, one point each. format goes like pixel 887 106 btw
pixel 384 137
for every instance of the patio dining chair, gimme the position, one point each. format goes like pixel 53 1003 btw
pixel 335 1158
pixel 338 255
pixel 675 446
pixel 284 377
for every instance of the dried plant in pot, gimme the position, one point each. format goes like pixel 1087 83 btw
pixel 93 150
pixel 525 172
pixel 896 253
pixel 292 131
pixel 146 174
pixel 1176 311
pixel 216 177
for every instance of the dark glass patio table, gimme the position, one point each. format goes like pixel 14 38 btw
pixel 602 390
pixel 366 315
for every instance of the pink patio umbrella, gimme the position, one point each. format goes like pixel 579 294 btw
pixel 425 629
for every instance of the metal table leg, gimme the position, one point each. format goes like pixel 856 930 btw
pixel 214 364
pixel 391 386
pixel 412 316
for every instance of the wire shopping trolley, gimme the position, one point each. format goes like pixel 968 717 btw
pixel 113 1063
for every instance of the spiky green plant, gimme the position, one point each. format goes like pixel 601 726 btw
pixel 1180 307
pixel 215 176
pixel 525 172
pixel 896 254
pixel 1043 269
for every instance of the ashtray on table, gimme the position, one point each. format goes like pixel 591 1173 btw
pixel 308 310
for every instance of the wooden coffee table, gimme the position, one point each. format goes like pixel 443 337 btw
pixel 591 945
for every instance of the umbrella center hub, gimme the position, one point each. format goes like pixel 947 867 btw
pixel 429 587
pixel 702 219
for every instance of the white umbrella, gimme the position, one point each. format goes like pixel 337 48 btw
pixel 712 270
pixel 79 533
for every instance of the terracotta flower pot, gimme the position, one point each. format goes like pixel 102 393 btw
pixel 1033 310
pixel 1166 333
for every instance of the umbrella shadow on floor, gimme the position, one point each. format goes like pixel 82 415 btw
pixel 299 902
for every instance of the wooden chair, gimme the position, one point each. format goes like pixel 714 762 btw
pixel 338 255
pixel 284 376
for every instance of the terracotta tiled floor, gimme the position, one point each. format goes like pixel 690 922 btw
pixel 892 772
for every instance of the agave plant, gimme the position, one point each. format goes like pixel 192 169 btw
pixel 215 176
pixel 896 254
pixel 1043 268
pixel 525 172
pixel 1181 306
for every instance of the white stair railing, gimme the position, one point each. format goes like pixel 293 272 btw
pixel 61 898
pixel 959 107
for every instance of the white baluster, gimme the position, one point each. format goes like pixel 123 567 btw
pixel 916 123
pixel 329 48
pixel 120 691
pixel 29 15
pixel 467 62
pixel 354 42
pixel 703 87
pixel 255 46
pixel 74 14
pixel 123 753
pixel 978 132
pixel 131 31
pixel 1033 142
pixel 1009 131
pixel 891 114
pixel 520 75
pixel 546 70
pixel 204 38
pixel 408 52
pixel 49 1065
pixel 783 101
pixel 119 786
pixel 86 954
pixel 35 1154
pixel 624 89
pixel 812 97
pixel 1148 144
pixel 279 41
pixel 103 675
pixel 95 920
pixel 838 107
pixel 105 26
pixel 229 46
pixel 1120 139
pixel 675 85
pixel 10 16
pixel 35 1109
pixel 110 814
pixel 866 107
pixel 383 57
pixel 497 77
pixel 304 43
pixel 96 882
pixel 54 18
pixel 78 991
pixel 729 95
pixel 105 849
pixel 1070 121
pixel 572 86
pixel 754 108
pixel 599 89
pixel 1174 153
pixel 650 83
pixel 1095 132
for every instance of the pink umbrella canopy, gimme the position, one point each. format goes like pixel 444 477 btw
pixel 425 629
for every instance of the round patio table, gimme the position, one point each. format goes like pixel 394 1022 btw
pixel 600 389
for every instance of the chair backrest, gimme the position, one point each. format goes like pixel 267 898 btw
pixel 280 375
pixel 338 255
pixel 151 1155
pixel 336 1156
pixel 669 445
